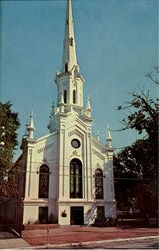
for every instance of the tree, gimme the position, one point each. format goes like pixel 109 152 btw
pixel 137 165
pixel 9 123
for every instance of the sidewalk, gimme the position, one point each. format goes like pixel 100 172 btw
pixel 78 234
pixel 74 236
pixel 13 243
pixel 9 240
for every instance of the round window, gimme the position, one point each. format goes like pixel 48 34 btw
pixel 75 143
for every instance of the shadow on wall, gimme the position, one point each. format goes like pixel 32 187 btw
pixel 91 215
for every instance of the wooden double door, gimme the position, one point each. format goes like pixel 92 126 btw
pixel 77 215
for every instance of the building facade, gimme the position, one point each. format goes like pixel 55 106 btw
pixel 67 175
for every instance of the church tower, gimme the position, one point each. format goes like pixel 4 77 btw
pixel 69 81
pixel 69 173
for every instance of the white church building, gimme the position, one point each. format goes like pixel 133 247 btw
pixel 68 173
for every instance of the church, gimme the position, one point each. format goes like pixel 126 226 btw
pixel 67 175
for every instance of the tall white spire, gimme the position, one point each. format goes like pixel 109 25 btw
pixel 69 50
pixel 69 81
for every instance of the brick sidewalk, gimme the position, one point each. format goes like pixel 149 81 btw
pixel 77 234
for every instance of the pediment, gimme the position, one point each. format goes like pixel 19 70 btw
pixel 76 132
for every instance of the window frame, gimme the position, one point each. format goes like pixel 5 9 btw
pixel 76 179
pixel 99 190
pixel 43 182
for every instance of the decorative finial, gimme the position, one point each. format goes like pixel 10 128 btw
pixel 88 111
pixel 108 137
pixel 30 127
pixel 88 103
pixel 108 132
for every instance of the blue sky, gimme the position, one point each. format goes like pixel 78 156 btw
pixel 116 45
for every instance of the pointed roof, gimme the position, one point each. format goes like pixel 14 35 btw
pixel 88 107
pixel 98 137
pixel 108 135
pixel 69 50
pixel 31 122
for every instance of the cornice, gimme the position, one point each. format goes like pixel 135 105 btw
pixel 84 202
pixel 32 202
pixel 100 155
pixel 98 145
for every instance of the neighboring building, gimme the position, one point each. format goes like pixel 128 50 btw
pixel 67 174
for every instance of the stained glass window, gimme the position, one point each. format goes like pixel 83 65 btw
pixel 75 178
pixel 44 182
pixel 74 96
pixel 99 184
pixel 65 96
pixel 66 67
pixel 71 41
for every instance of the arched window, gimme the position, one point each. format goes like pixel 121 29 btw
pixel 65 96
pixel 98 184
pixel 75 178
pixel 66 67
pixel 71 41
pixel 44 182
pixel 74 96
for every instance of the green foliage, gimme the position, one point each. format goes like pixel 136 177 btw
pixel 144 115
pixel 146 200
pixel 8 189
pixel 133 167
pixel 137 165
pixel 9 123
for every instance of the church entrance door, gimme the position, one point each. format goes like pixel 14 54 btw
pixel 43 215
pixel 77 216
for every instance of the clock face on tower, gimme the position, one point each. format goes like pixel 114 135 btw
pixel 75 143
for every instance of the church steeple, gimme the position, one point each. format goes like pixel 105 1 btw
pixel 69 49
pixel 69 81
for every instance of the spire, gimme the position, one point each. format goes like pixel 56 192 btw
pixel 98 138
pixel 88 104
pixel 30 127
pixel 88 108
pixel 108 138
pixel 52 114
pixel 69 50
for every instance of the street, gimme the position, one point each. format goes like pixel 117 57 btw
pixel 129 244
pixel 133 244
